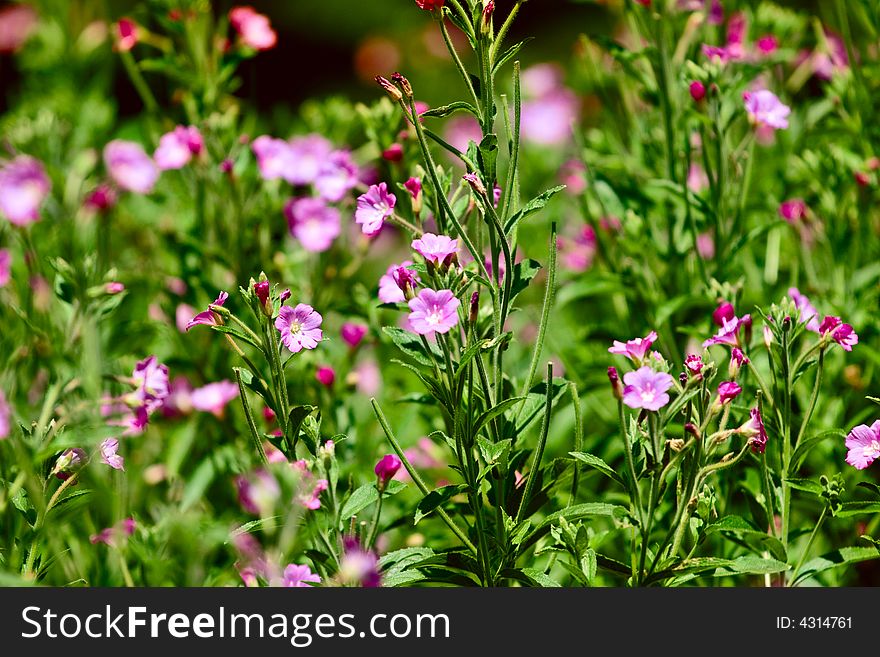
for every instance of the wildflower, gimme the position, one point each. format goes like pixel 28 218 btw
pixel 213 397
pixel 313 223
pixel 429 5
pixel 729 332
pixel 325 376
pixel 253 29
pixel 727 391
pixel 394 153
pixel 337 176
pixel 439 250
pixel 258 493
pixel 474 181
pixel 474 310
pixel 616 387
pixel 716 54
pixel 755 431
pixel 299 327
pixel 402 84
pixel 126 34
pixel 863 443
pixel 374 207
pixel 176 148
pixel 392 91
pixel 548 120
pixel 359 567
pixel 694 364
pixel 389 289
pixel 705 246
pixel 646 389
pixel 310 493
pixel 737 360
pixel 842 334
pixel 767 45
pixel 109 447
pixel 386 468
pixel 5 267
pixel 793 210
pixel 723 313
pixel 299 577
pixel 69 463
pixel 23 187
pixel 809 315
pixel 274 157
pixel 306 155
pixel 577 254
pixel 634 349
pixel 433 311
pixel 697 90
pixel 112 535
pixel 353 333
pixel 414 187
pixel 261 289
pixel 130 167
pixel 151 379
pixel 209 317
pixel 765 109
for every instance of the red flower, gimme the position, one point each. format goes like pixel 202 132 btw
pixel 429 5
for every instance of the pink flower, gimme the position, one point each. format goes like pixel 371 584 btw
pixel 23 187
pixel 360 567
pixel 808 313
pixel 727 391
pixel 325 376
pixel 310 493
pixel 254 29
pixel 313 223
pixel 738 357
pixel 111 536
pixel 5 267
pixel 366 378
pixel 274 157
pixel 100 199
pixel 433 311
pixel 130 167
pixel 307 153
pixel 765 109
pixel 5 417
pixel 353 333
pixel 109 456
pixel 767 44
pixel 299 327
pixel 207 317
pixel 258 492
pixel 548 120
pixel 213 397
pixel 394 153
pixel 17 23
pixel 716 54
pixel 429 5
pixel 414 187
pixel 374 207
pixel 793 210
pixel 337 176
pixel 755 431
pixel 842 334
pixel 863 443
pixel 577 254
pixel 729 332
pixel 389 291
pixel 634 349
pixel 705 246
pixel 176 148
pixel 693 363
pixel 697 90
pixel 386 468
pixel 114 287
pixel 439 250
pixel 646 389
pixel 126 34
pixel 697 180
pixel 723 313
pixel 299 577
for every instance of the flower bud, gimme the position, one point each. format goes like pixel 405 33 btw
pixel 402 84
pixel 486 23
pixel 69 463
pixel 406 281
pixel 385 469
pixel 414 187
pixel 392 91
pixel 325 376
pixel 393 153
pixel 697 90
pixel 261 289
pixel 616 386
pixel 476 184
pixel 475 307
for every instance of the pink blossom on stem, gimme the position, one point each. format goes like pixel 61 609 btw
pixel 109 447
pixel 325 375
pixel 439 250
pixel 213 397
pixel 386 468
pixel 765 109
pixel 337 176
pixel 306 153
pixel 24 186
pixel 646 388
pixel 176 148
pixel 727 391
pixel 299 327
pixel 863 445
pixel 254 30
pixel 389 290
pixel 374 207
pixel 130 167
pixel 299 577
pixel 634 349
pixel 313 223
pixel 353 333
pixel 808 313
pixel 433 311
pixel 842 334
pixel 208 317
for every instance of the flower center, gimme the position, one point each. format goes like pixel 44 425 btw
pixel 648 394
pixel 873 450
pixel 295 327
pixel 434 317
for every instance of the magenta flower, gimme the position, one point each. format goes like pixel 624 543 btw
pixel 433 311
pixel 299 327
pixel 337 176
pixel 307 153
pixel 126 34
pixel 109 447
pixel 439 250
pixel 353 333
pixel 258 493
pixel 130 167
pixel 809 315
pixel 176 148
pixel 693 363
pixel 729 332
pixel 389 290
pixel 5 417
pixel 325 375
pixel 793 210
pixel 23 187
pixel 374 207
pixel 738 357
pixel 863 443
pixel 313 223
pixel 5 267
pixel 114 287
pixel 716 54
pixel 842 334
pixel 70 462
pixel 386 468
pixel 634 349
pixel 646 389
pixel 767 45
pixel 274 157
pixel 577 254
pixel 765 109
pixel 755 431
pixel 207 317
pixel 697 90
pixel 299 577
pixel 359 567
pixel 723 313
pixel 151 379
pixel 414 187
pixel 253 29
pixel 309 496
pixel 214 397
pixel 111 536
pixel 728 391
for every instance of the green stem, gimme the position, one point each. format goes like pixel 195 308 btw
pixel 545 312
pixel 809 544
pixel 539 452
pixel 255 435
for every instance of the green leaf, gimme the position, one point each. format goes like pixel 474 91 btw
pixel 359 500
pixel 538 578
pixel 849 509
pixel 295 419
pixel 254 526
pixel 197 484
pixel 573 513
pixel 869 485
pixel 494 452
pixel 806 445
pixel 531 207
pixel 495 411
pixel 598 464
pixel 451 108
pixel 69 503
pixel 807 485
pixel 488 157
pixel 757 565
pixel 834 559
pixel 510 53
pixel 435 499
pixel 523 273
pixel 410 344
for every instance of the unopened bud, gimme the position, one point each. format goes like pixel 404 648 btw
pixel 475 307
pixel 691 428
pixel 261 289
pixel 476 184
pixel 486 24
pixel 402 84
pixel 392 91
pixel 616 387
